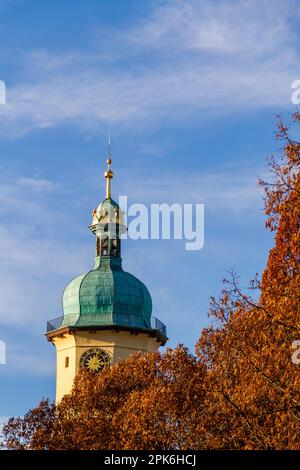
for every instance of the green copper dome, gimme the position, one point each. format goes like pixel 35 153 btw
pixel 107 295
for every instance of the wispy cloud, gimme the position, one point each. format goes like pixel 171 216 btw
pixel 233 191
pixel 185 59
pixel 35 259
pixel 37 184
pixel 223 28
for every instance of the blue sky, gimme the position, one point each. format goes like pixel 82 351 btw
pixel 190 91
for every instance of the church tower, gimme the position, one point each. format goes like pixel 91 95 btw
pixel 107 311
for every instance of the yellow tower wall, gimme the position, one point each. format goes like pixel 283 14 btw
pixel 71 346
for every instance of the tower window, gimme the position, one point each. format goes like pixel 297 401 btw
pixel 67 361
pixel 98 247
pixel 104 246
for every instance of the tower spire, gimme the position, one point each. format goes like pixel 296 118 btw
pixel 108 173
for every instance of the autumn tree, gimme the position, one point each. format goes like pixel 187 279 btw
pixel 143 402
pixel 253 385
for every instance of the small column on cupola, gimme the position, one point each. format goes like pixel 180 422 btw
pixel 107 224
pixel 108 173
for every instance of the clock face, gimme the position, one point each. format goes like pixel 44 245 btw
pixel 94 360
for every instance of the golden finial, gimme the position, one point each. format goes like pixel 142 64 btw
pixel 108 174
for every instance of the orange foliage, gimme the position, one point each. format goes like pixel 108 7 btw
pixel 253 386
pixel 143 402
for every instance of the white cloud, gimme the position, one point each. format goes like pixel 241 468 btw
pixel 35 260
pixel 233 191
pixel 186 59
pixel 37 184
pixel 233 27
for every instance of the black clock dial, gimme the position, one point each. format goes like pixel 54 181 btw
pixel 94 360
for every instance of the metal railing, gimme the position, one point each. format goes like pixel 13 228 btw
pixel 56 323
pixel 156 324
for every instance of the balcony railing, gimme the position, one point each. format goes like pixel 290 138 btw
pixel 56 323
pixel 158 325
